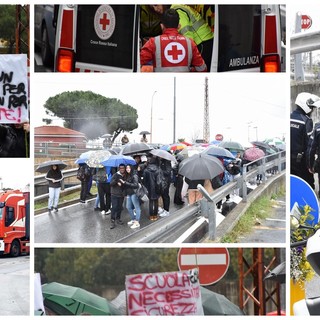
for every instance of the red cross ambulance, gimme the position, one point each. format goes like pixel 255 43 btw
pixel 105 38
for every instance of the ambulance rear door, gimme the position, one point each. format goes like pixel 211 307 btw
pixel 237 38
pixel 105 38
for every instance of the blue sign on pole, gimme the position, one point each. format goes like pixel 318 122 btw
pixel 302 194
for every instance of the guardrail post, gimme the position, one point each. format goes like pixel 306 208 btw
pixel 279 162
pixel 262 169
pixel 207 207
pixel 244 183
pixel 208 211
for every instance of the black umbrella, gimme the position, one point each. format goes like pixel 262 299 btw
pixel 135 148
pixel 201 167
pixel 163 154
pixel 144 132
pixel 46 166
pixel 278 273
pixel 217 304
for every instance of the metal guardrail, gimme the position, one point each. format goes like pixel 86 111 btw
pixel 206 206
pixel 304 42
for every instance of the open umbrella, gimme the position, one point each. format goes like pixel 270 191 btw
pixel 67 300
pixel 252 154
pixel 116 159
pixel 231 145
pixel 218 152
pixel 44 167
pixel 163 154
pixel 135 148
pixel 278 273
pixel 188 144
pixel 264 147
pixel 200 166
pixel 276 142
pixel 144 132
pixel 84 157
pixel 190 151
pixel 176 146
pixel 107 135
pixel 217 304
pixel 97 157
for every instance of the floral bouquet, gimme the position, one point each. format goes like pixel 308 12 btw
pixel 300 269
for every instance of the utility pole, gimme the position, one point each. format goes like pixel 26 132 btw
pixel 206 121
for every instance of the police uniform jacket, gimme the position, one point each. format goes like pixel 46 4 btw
pixel 301 127
pixel 313 146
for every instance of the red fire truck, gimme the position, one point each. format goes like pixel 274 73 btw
pixel 14 222
pixel 106 38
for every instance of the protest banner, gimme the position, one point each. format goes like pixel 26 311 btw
pixel 14 88
pixel 166 293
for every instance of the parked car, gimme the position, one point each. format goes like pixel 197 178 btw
pixel 44 32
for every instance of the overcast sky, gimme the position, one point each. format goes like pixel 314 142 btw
pixel 15 173
pixel 241 106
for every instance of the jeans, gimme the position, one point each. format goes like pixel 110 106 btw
pixel 116 207
pixel 133 203
pixel 54 194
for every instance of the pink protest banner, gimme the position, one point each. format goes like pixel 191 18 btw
pixel 167 293
pixel 14 88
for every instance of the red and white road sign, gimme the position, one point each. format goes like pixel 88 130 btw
pixel 306 21
pixel 219 137
pixel 212 263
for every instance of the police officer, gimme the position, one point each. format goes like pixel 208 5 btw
pixel 301 128
pixel 314 149
pixel 172 52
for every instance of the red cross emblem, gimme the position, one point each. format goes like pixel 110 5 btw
pixel 174 52
pixel 104 21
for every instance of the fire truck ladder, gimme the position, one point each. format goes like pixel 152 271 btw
pixel 257 270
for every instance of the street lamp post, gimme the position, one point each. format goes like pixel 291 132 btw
pixel 151 116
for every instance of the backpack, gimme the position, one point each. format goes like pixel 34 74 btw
pixel 101 175
pixel 161 182
pixel 83 173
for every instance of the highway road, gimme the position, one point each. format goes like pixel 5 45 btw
pixel 15 286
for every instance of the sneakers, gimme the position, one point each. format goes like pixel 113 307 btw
pixel 164 213
pixel 119 221
pixel 135 225
pixel 55 210
pixel 160 210
pixel 49 210
pixel 112 225
pixel 130 223
pixel 82 201
pixel 108 212
pixel 103 212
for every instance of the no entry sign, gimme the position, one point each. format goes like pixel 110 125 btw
pixel 212 263
pixel 306 21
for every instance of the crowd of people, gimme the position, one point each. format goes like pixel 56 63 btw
pixel 161 178
pixel 305 142
pixel 158 175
